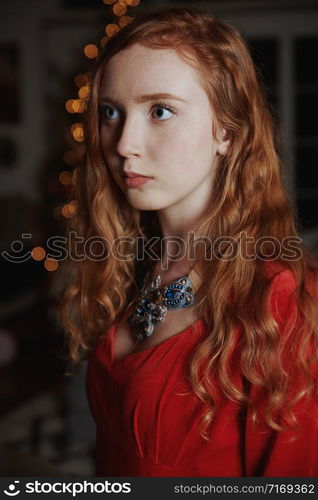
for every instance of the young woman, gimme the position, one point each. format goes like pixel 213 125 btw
pixel 196 299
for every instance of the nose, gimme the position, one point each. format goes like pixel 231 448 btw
pixel 129 142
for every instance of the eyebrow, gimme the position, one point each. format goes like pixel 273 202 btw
pixel 146 97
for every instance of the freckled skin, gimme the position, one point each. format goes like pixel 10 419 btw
pixel 177 149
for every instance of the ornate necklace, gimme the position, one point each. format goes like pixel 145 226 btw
pixel 154 302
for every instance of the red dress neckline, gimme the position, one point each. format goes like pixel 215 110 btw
pixel 147 349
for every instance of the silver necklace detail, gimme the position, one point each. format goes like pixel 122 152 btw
pixel 154 302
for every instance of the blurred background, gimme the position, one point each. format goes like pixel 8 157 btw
pixel 47 48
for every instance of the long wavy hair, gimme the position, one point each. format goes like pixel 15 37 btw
pixel 248 199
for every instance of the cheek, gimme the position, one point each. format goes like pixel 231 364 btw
pixel 187 147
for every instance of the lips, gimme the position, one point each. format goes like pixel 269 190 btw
pixel 136 181
pixel 134 174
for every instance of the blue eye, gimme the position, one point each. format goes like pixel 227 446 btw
pixel 163 112
pixel 160 112
pixel 109 112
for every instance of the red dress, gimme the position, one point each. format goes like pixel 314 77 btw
pixel 145 426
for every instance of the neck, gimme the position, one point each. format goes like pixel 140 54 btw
pixel 178 223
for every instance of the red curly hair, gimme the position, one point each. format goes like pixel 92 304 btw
pixel 248 199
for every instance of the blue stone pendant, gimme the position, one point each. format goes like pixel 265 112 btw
pixel 155 301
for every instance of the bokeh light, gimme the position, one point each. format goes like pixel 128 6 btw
pixel 91 51
pixel 75 105
pixel 77 132
pixel 125 20
pixel 81 80
pixel 78 105
pixel 38 253
pixel 119 10
pixel 72 208
pixel 65 178
pixel 65 211
pixel 69 106
pixel 75 125
pixel 111 29
pixel 109 2
pixel 84 92
pixel 51 264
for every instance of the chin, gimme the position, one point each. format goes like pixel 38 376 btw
pixel 143 201
pixel 144 204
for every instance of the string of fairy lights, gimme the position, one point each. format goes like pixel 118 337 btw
pixel 77 106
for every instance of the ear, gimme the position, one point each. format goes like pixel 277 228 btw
pixel 223 142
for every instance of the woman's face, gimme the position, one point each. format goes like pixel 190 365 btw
pixel 156 120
